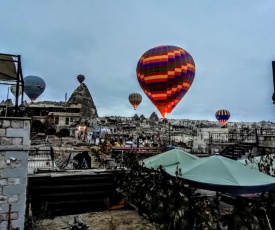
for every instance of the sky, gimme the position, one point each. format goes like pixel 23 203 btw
pixel 232 44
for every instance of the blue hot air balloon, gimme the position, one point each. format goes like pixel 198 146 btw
pixel 34 86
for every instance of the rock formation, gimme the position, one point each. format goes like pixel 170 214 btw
pixel 142 117
pixel 135 117
pixel 154 117
pixel 82 96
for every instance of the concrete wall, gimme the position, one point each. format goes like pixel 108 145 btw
pixel 202 138
pixel 14 146
pixel 200 141
pixel 267 141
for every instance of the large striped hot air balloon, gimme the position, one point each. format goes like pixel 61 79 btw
pixel 165 73
pixel 222 116
pixel 135 99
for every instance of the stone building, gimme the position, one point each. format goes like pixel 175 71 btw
pixel 57 115
pixel 79 109
pixel 202 139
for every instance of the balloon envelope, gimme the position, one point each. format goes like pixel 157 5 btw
pixel 34 86
pixel 80 78
pixel 135 99
pixel 222 116
pixel 165 73
pixel 13 90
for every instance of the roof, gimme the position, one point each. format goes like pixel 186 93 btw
pixel 140 150
pixel 134 148
pixel 64 114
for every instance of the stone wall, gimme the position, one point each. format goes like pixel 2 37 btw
pixel 14 146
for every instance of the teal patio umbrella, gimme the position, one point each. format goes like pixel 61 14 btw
pixel 170 158
pixel 218 173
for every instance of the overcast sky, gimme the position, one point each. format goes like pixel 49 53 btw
pixel 232 44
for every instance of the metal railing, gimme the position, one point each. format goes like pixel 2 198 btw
pixel 266 131
pixel 41 158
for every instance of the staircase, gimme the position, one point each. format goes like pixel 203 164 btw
pixel 242 145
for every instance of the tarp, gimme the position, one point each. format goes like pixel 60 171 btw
pixel 7 68
pixel 170 158
pixel 129 142
pixel 219 173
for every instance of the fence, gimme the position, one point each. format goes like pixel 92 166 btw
pixel 41 158
pixel 45 157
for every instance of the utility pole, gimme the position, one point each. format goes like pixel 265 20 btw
pixel 100 133
pixel 169 133
pixel 273 68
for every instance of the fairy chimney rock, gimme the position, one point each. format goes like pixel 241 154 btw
pixel 83 96
pixel 154 117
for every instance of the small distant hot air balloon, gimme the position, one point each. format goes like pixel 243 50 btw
pixel 34 86
pixel 165 73
pixel 80 78
pixel 135 99
pixel 13 90
pixel 223 116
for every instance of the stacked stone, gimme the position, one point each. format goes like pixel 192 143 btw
pixel 14 145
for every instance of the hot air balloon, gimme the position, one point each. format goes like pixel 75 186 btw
pixel 165 73
pixel 80 78
pixel 13 90
pixel 34 86
pixel 223 116
pixel 135 99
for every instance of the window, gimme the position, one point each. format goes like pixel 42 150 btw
pixel 56 120
pixel 67 121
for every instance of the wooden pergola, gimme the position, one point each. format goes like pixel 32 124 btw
pixel 11 74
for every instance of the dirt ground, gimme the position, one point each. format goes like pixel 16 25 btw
pixel 108 220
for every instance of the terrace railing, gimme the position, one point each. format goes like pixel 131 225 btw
pixel 41 158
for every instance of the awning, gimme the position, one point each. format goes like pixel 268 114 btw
pixel 7 68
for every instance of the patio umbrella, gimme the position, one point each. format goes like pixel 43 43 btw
pixel 171 158
pixel 218 173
